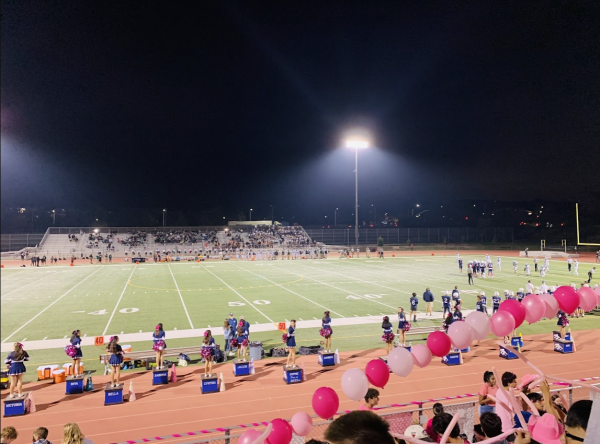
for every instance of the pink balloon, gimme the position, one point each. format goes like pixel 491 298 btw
pixel 480 323
pixel 421 355
pixel 535 307
pixel 587 298
pixel 439 343
pixel 325 402
pixel 281 433
pixel 377 373
pixel 461 334
pixel 551 305
pixel 503 323
pixel 302 423
pixel 355 384
pixel 401 362
pixel 516 309
pixel 567 298
pixel 249 436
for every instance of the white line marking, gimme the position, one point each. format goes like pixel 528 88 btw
pixel 232 289
pixel 122 332
pixel 24 339
pixel 209 326
pixel 18 289
pixel 291 291
pixel 58 299
pixel 181 297
pixel 119 301
pixel 45 337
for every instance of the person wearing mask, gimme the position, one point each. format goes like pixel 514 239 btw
pixel 428 298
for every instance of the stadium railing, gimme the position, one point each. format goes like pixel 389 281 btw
pixel 403 416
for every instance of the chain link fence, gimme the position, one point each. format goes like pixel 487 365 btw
pixel 400 420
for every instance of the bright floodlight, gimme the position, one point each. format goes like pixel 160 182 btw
pixel 357 143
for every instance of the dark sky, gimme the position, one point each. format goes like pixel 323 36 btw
pixel 244 104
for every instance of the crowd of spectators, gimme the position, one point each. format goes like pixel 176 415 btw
pixel 134 238
pixel 181 236
pixel 72 434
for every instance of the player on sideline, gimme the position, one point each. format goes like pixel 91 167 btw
pixel 576 267
pixel 569 264
pixel 388 334
pixel 158 338
pixel 484 302
pixel 520 295
pixel 291 344
pixel 527 270
pixel 591 275
pixel 479 305
pixel 487 259
pixel 535 263
pixel 115 361
pixel 446 302
pixel 414 305
pixel 403 326
pixel 326 330
pixel 470 275
pixel 499 263
pixel 16 369
pixel 76 342
pixel 515 266
pixel 460 265
pixel 495 302
pixel 529 287
pixel 490 269
pixel 543 288
pixel 547 263
pixel 455 296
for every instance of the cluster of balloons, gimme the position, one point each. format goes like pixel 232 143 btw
pixel 279 431
pixel 477 326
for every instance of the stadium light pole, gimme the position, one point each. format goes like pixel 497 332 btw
pixel 164 214
pixel 356 144
pixel 250 212
pixel 335 217
pixel 272 220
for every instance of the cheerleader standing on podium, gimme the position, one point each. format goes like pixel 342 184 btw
pixel 211 341
pixel 402 326
pixel 388 334
pixel 291 344
pixel 159 344
pixel 563 322
pixel 207 353
pixel 326 330
pixel 115 361
pixel 76 342
pixel 16 369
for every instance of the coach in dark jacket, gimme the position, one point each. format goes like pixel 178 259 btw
pixel 428 298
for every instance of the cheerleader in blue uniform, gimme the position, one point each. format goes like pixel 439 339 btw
pixel 291 344
pixel 242 342
pixel 388 334
pixel 207 353
pixel 16 369
pixel 326 330
pixel 115 361
pixel 159 344
pixel 563 322
pixel 211 341
pixel 403 326
pixel 76 342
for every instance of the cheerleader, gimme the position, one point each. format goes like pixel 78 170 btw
pixel 326 330
pixel 563 322
pixel 76 343
pixel 242 343
pixel 116 359
pixel 211 341
pixel 207 353
pixel 16 369
pixel 159 344
pixel 388 335
pixel 291 344
pixel 403 326
pixel 448 322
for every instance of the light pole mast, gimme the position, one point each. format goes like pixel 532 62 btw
pixel 356 196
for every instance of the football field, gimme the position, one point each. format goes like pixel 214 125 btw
pixel 50 302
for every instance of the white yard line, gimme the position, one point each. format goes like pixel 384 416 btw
pixel 338 288
pixel 181 297
pixel 291 291
pixel 119 301
pixel 232 289
pixel 19 289
pixel 58 299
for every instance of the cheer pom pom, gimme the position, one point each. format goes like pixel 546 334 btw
pixel 284 338
pixel 406 326
pixel 205 353
pixel 158 346
pixel 388 337
pixel 70 350
pixel 245 343
pixel 325 332
pixel 234 343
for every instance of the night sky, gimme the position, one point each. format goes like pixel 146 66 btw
pixel 236 105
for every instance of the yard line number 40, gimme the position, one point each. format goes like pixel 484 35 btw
pixel 123 310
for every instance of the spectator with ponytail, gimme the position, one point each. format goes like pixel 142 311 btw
pixel 76 342
pixel 16 369
pixel 116 359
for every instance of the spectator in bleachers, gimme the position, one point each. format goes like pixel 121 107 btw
pixel 40 436
pixel 438 409
pixel 440 424
pixel 8 435
pixel 359 427
pixel 577 421
pixel 371 399
pixel 72 435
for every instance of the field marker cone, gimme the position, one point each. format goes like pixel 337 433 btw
pixel 31 403
pixel 222 387
pixel 131 392
pixel 173 374
pixel 337 356
pixel 252 366
pixel 303 372
pixel 572 340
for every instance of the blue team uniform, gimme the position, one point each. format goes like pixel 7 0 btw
pixel 16 367
pixel 291 340
pixel 160 337
pixel 520 296
pixel 326 323
pixel 414 303
pixel 116 359
pixel 401 320
pixel 460 264
pixel 479 306
pixel 446 303
pixel 76 342
pixel 496 303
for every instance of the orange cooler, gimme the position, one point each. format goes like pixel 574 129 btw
pixel 59 376
pixel 45 371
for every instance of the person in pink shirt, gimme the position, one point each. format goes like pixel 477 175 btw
pixel 503 405
pixel 486 403
pixel 438 409
pixel 371 400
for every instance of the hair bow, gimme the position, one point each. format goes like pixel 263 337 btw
pixel 206 333
pixel 19 344
pixel 157 327
pixel 111 338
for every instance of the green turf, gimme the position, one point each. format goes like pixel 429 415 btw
pixel 50 302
